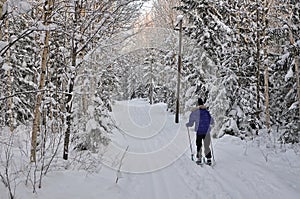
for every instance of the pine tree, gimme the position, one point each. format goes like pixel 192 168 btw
pixel 283 79
pixel 247 42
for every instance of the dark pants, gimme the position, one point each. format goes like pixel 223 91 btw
pixel 206 140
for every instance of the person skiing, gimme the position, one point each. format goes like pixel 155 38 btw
pixel 203 120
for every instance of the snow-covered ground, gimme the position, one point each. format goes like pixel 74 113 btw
pixel 158 165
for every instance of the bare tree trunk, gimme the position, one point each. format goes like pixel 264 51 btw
pixel 69 109
pixel 69 101
pixel 79 11
pixel 37 114
pixel 151 80
pixel 258 48
pixel 179 70
pixel 266 66
pixel 267 94
pixel 239 48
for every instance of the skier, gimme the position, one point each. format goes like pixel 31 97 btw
pixel 202 119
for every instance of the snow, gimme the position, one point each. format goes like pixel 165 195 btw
pixel 158 165
pixel 179 18
pixel 298 43
pixel 6 67
pixel 17 6
pixel 3 44
pixel 293 106
pixel 289 74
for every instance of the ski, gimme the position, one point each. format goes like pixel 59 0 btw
pixel 203 162
pixel 199 163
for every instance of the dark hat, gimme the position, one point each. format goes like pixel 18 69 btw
pixel 200 101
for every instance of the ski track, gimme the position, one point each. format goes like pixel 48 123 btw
pixel 201 178
pixel 153 185
pixel 216 182
pixel 156 185
pixel 242 170
pixel 157 189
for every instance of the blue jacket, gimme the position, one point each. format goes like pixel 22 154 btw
pixel 202 119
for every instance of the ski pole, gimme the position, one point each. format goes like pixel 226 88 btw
pixel 212 150
pixel 192 155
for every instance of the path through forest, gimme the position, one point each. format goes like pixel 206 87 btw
pixel 159 155
pixel 158 165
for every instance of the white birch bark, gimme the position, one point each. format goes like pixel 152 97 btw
pixel 37 112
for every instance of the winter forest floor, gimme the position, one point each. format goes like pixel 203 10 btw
pixel 158 165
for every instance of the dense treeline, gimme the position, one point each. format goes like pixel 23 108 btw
pixel 46 63
pixel 255 47
pixel 242 57
pixel 56 82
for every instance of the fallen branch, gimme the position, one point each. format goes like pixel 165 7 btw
pixel 120 165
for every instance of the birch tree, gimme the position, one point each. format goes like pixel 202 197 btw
pixel 47 11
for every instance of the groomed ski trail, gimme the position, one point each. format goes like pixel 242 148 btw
pixel 147 130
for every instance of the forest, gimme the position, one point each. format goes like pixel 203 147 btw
pixel 65 63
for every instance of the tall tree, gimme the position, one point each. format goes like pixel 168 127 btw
pixel 293 20
pixel 267 7
pixel 47 12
